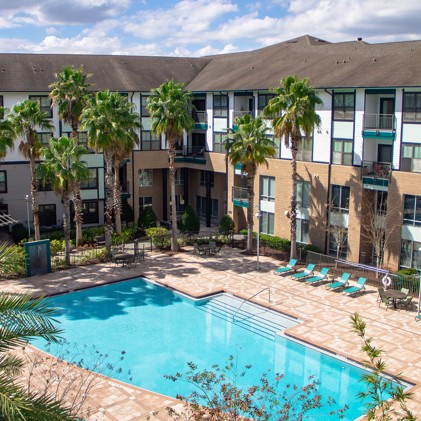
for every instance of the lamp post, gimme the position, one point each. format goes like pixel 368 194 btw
pixel 258 216
pixel 27 216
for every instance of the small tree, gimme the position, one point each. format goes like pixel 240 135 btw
pixel 190 222
pixel 147 218
pixel 127 213
pixel 226 225
pixel 383 394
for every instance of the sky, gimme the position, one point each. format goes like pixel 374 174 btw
pixel 196 27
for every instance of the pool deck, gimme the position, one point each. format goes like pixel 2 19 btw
pixel 326 315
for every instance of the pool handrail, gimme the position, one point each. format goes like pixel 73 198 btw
pixel 248 299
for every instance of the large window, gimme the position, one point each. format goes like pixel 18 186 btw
pixel 220 105
pixel 302 231
pixel 263 100
pixel 412 210
pixel 150 141
pixel 3 182
pixel 343 106
pixel 91 182
pixel 179 177
pixel 45 103
pixel 211 176
pixel 340 198
pixel 144 111
pixel 411 157
pixel 267 188
pixel 145 178
pixel 267 223
pixel 411 254
pixel 303 194
pixel 412 107
pixel 305 150
pixel 219 142
pixel 201 207
pixel 90 212
pixel 82 137
pixel 342 152
pixel 44 138
pixel 338 241
pixel 47 215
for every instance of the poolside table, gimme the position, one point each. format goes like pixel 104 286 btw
pixel 124 258
pixel 395 295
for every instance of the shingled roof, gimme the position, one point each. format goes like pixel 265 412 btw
pixel 328 65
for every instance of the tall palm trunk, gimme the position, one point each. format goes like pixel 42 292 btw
pixel 171 153
pixel 77 200
pixel 108 200
pixel 117 197
pixel 293 202
pixel 250 211
pixel 66 225
pixel 34 195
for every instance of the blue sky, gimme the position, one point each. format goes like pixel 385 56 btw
pixel 196 28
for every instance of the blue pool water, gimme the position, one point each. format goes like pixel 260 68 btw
pixel 160 331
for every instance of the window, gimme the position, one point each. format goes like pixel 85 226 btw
pixel 144 202
pixel 47 215
pixel 145 178
pixel 381 202
pixel 411 254
pixel 144 112
pixel 220 105
pixel 45 103
pixel 90 212
pixel 305 149
pixel 267 188
pixel 412 210
pixel 276 144
pixel 343 106
pixel 203 178
pixel 342 152
pixel 411 157
pixel 302 231
pixel 44 185
pixel 338 241
pixel 3 182
pixel 303 194
pixel 219 142
pixel 150 141
pixel 412 107
pixel 263 100
pixel 44 138
pixel 179 177
pixel 179 204
pixel 91 182
pixel 83 137
pixel 340 198
pixel 201 207
pixel 267 223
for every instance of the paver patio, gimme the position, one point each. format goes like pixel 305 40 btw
pixel 326 316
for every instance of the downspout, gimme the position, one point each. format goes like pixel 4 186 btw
pixel 329 175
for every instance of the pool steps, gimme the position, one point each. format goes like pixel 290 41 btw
pixel 251 316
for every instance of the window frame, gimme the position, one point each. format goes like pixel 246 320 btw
pixel 148 137
pixel 343 206
pixel 262 101
pixel 86 184
pixel 270 195
pixel 202 181
pixel 341 153
pixel 146 181
pixel 415 219
pixel 44 107
pixel 267 223
pixel 94 216
pixel 341 111
pixel 409 161
pixel 220 109
pixel 301 202
pixel 45 217
pixel 3 182
pixel 305 149
pixel 415 108
pixel 219 146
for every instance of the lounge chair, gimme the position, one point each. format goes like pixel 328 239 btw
pixel 356 288
pixel 343 282
pixel 318 278
pixel 308 271
pixel 417 317
pixel 285 269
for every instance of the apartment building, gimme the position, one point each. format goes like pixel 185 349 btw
pixel 360 171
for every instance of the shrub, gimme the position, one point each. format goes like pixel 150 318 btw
pixel 147 218
pixel 12 260
pixel 56 246
pixel 160 237
pixel 127 213
pixel 190 221
pixel 407 271
pixel 226 225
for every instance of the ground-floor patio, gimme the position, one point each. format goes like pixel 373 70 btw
pixel 326 315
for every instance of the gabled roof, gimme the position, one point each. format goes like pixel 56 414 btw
pixel 327 65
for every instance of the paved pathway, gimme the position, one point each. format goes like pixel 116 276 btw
pixel 326 316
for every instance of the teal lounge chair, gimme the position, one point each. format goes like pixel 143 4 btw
pixel 307 272
pixel 343 282
pixel 319 278
pixel 288 268
pixel 357 288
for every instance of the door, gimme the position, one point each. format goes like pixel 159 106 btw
pixel 387 113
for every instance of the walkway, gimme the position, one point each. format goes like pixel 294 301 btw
pixel 326 315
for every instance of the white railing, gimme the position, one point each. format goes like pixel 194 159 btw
pixel 379 122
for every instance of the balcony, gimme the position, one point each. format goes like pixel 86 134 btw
pixel 191 154
pixel 239 197
pixel 200 120
pixel 376 175
pixel 239 113
pixel 379 125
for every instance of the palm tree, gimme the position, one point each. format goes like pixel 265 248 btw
pixel 71 92
pixel 111 124
pixel 170 110
pixel 26 118
pixel 249 146
pixel 63 168
pixel 294 117
pixel 23 318
pixel 7 135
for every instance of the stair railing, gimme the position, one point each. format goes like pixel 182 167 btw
pixel 248 299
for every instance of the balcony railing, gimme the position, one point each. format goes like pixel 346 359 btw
pixel 375 170
pixel 239 196
pixel 200 116
pixel 379 122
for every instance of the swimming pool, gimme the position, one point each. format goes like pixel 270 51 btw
pixel 159 331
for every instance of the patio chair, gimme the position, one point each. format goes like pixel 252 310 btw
pixel 285 269
pixel 343 282
pixel 356 288
pixel 322 276
pixel 388 302
pixel 308 271
pixel 198 251
pixel 405 303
